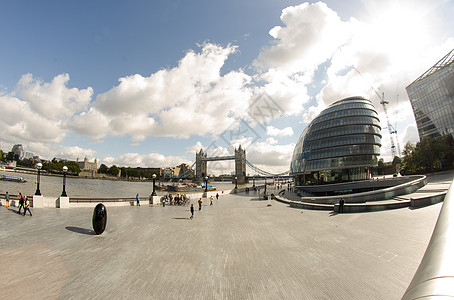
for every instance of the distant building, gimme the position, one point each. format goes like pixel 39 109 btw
pixel 432 98
pixel 341 144
pixel 18 149
pixel 28 155
pixel 185 169
pixel 87 169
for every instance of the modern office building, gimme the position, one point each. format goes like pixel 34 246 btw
pixel 339 145
pixel 432 98
pixel 18 149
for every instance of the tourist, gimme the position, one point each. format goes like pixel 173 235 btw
pixel 341 205
pixel 211 200
pixel 217 196
pixel 192 211
pixel 7 199
pixel 27 206
pixel 138 200
pixel 200 204
pixel 21 202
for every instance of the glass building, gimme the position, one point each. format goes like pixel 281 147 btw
pixel 432 98
pixel 339 145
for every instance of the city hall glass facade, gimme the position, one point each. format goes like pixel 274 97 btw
pixel 432 99
pixel 340 145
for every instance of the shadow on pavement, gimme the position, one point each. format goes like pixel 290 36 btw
pixel 80 230
pixel 15 211
pixel 333 213
pixel 181 218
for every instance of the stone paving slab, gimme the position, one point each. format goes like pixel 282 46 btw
pixel 239 248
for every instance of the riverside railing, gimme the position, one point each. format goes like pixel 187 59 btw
pixel 435 275
pixel 92 200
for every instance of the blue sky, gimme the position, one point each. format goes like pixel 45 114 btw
pixel 147 83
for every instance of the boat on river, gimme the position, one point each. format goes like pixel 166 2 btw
pixel 12 178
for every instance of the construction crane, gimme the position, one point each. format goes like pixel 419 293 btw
pixel 390 127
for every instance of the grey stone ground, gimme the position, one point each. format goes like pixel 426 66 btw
pixel 236 249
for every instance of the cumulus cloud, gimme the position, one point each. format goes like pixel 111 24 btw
pixel 273 131
pixel 37 111
pixel 189 99
pixel 310 35
pixel 144 160
pixel 54 99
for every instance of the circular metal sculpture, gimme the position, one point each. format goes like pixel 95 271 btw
pixel 99 218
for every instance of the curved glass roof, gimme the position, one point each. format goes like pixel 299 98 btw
pixel 344 135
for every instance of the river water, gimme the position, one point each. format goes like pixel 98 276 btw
pixel 51 186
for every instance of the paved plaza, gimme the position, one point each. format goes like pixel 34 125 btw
pixel 239 248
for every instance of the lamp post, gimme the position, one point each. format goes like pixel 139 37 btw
pixel 253 181
pixel 154 185
pixel 206 184
pixel 38 166
pixel 236 182
pixel 63 193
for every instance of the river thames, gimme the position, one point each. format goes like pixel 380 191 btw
pixel 51 186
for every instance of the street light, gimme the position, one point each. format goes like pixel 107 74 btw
pixel 253 181
pixel 265 184
pixel 236 182
pixel 206 184
pixel 38 166
pixel 65 169
pixel 154 185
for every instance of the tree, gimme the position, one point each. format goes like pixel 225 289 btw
pixel 396 161
pixel 103 169
pixel 114 170
pixel 408 160
pixel 11 156
pixel 55 166
pixel 381 163
pixel 447 148
pixel 429 154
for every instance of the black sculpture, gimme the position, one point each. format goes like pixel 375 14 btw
pixel 99 218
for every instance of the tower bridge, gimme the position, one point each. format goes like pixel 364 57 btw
pixel 201 160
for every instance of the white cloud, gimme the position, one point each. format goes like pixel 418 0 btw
pixel 54 99
pixel 20 123
pixel 273 131
pixel 36 111
pixel 145 160
pixel 310 35
pixel 190 99
pixel 410 135
pixel 271 156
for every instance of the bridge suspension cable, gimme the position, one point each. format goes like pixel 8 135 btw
pixel 263 172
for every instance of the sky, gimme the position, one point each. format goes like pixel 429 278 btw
pixel 150 83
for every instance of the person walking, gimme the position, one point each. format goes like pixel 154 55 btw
pixel 211 200
pixel 21 202
pixel 138 200
pixel 192 210
pixel 200 204
pixel 7 199
pixel 26 206
pixel 217 196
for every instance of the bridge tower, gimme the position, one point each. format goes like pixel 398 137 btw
pixel 240 165
pixel 200 165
